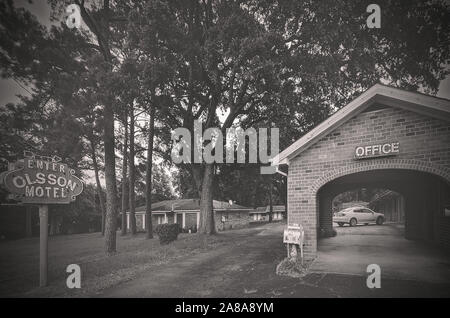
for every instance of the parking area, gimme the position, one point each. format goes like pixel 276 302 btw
pixel 354 248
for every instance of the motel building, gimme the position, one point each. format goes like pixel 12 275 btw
pixel 261 214
pixel 391 204
pixel 386 138
pixel 186 213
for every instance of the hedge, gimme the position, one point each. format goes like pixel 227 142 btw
pixel 167 232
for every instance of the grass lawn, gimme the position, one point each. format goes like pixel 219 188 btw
pixel 19 261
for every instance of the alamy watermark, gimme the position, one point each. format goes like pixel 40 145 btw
pixel 74 279
pixel 73 19
pixel 374 278
pixel 208 147
pixel 374 19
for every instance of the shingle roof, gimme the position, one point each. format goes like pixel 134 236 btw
pixel 382 195
pixel 266 209
pixel 190 204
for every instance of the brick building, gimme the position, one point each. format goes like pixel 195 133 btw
pixel 391 204
pixel 261 214
pixel 186 213
pixel 386 138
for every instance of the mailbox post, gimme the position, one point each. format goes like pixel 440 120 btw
pixel 293 237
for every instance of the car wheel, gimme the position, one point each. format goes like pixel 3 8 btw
pixel 380 220
pixel 353 222
pixel 340 224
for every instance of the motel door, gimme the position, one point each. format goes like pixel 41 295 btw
pixel 180 220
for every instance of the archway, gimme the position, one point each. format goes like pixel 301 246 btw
pixel 426 193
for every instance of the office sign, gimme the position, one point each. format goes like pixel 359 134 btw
pixel 377 150
pixel 42 181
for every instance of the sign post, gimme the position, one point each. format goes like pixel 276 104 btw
pixel 39 180
pixel 43 245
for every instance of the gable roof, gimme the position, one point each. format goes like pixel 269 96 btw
pixel 381 94
pixel 383 195
pixel 266 209
pixel 189 205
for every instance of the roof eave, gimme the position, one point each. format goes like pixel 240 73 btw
pixel 424 104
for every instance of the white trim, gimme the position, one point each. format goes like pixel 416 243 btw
pixel 195 211
pixel 166 219
pixel 143 221
pixel 183 222
pixel 128 221
pixel 198 220
pixel 394 97
pixel 277 170
pixel 163 212
pixel 233 210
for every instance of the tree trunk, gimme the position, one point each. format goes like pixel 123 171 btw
pixel 148 176
pixel 197 174
pixel 207 225
pixel 110 177
pixel 102 34
pixel 132 177
pixel 124 177
pixel 99 185
pixel 270 200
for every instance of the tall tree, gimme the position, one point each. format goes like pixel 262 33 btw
pixel 220 61
pixel 124 174
pixel 132 180
pixel 104 23
pixel 246 58
pixel 99 186
pixel 148 175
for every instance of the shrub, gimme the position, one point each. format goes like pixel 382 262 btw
pixel 167 232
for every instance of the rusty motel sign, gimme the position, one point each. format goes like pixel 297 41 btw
pixel 378 150
pixel 39 180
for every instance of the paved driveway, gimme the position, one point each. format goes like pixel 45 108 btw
pixel 356 247
pixel 247 269
pixel 236 270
